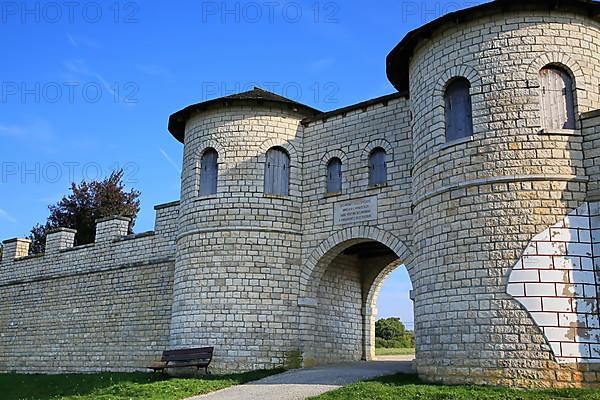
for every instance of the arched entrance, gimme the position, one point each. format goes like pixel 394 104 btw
pixel 337 314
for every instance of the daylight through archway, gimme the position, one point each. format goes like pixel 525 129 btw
pixel 393 325
pixel 346 295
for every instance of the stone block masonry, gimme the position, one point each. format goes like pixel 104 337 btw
pixel 591 148
pixel 499 230
pixel 104 306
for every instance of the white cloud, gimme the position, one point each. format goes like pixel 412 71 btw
pixel 6 216
pixel 34 129
pixel 11 130
pixel 170 160
pixel 81 41
pixel 77 70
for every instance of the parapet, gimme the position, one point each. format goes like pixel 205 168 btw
pixel 110 231
pixel 111 228
pixel 107 230
pixel 59 239
pixel 15 248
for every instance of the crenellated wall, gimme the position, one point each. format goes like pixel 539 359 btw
pixel 102 306
pixel 499 231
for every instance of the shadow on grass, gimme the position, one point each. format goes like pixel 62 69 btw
pixel 116 386
pixel 409 387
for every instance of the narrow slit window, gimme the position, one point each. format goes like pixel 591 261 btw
pixel 377 167
pixel 209 172
pixel 334 176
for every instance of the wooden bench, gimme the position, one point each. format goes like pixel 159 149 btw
pixel 198 357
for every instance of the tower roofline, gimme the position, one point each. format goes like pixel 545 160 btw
pixel 256 96
pixel 398 60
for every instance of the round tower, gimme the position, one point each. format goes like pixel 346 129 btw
pixel 238 244
pixel 483 190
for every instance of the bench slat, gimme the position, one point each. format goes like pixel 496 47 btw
pixel 200 365
pixel 196 357
pixel 203 352
pixel 185 358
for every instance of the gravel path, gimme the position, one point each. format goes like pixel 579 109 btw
pixel 302 383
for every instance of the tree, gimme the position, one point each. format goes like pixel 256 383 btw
pixel 86 203
pixel 389 328
pixel 391 332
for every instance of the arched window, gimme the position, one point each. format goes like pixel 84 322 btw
pixel 334 175
pixel 277 172
pixel 377 167
pixel 209 172
pixel 459 111
pixel 557 99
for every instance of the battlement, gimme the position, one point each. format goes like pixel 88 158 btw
pixel 290 220
pixel 113 246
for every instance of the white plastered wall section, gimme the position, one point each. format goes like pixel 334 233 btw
pixel 556 280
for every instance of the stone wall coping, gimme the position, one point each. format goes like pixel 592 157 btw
pixel 16 240
pixel 57 230
pixel 560 132
pixel 167 205
pixel 364 105
pixel 113 218
pixel 590 114
pixel 135 236
pixel 80 247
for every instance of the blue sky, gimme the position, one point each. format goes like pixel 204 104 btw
pixel 87 87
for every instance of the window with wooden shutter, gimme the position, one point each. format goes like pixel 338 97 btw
pixel 377 167
pixel 334 175
pixel 557 99
pixel 209 172
pixel 458 110
pixel 277 172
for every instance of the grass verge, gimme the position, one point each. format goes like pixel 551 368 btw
pixel 382 351
pixel 408 387
pixel 116 386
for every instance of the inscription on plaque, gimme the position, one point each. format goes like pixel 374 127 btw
pixel 352 211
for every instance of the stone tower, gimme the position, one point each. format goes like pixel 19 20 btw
pixel 290 220
pixel 238 250
pixel 479 200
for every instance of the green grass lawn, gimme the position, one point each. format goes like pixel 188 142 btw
pixel 408 387
pixel 382 351
pixel 116 386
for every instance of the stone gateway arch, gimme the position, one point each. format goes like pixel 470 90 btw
pixel 481 175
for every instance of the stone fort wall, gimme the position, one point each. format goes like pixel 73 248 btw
pixel 272 281
pixel 98 307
